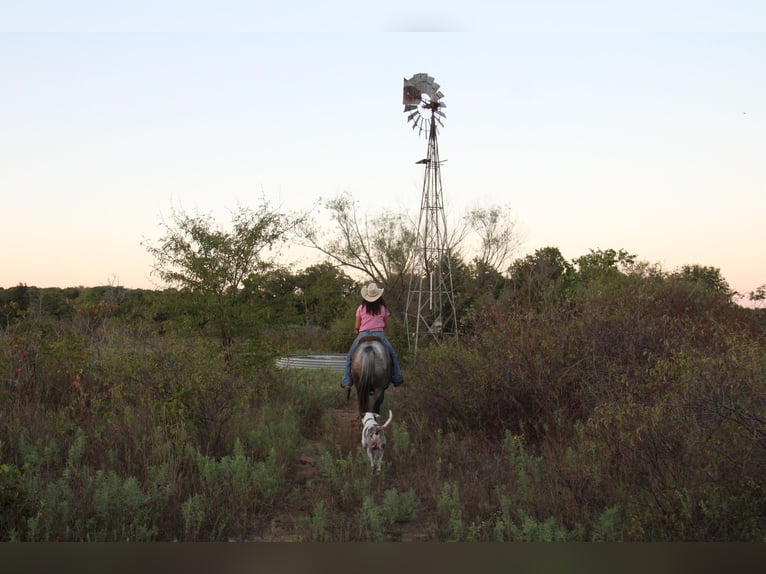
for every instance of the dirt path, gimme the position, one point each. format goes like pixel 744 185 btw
pixel 306 483
pixel 288 519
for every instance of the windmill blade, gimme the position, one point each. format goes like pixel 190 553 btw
pixel 422 93
pixel 411 95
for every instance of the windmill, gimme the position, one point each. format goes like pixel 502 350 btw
pixel 430 300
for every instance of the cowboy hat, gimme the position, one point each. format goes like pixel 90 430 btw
pixel 371 292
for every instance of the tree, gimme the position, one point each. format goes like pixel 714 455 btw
pixel 378 249
pixel 322 294
pixel 211 264
pixel 536 276
pixel 496 230
pixel 758 295
pixel 498 240
pixel 709 278
pixel 381 249
pixel 14 301
pixel 604 260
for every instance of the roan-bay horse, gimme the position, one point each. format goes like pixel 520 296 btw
pixel 370 373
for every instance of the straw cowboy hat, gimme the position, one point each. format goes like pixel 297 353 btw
pixel 371 292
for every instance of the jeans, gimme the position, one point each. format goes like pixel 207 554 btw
pixel 396 372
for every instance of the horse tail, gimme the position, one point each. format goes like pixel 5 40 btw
pixel 364 386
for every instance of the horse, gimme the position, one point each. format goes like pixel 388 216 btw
pixel 370 373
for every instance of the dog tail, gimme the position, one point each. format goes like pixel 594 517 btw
pixel 390 416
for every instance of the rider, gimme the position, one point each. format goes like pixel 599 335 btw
pixel 371 319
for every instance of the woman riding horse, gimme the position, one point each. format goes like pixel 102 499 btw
pixel 371 320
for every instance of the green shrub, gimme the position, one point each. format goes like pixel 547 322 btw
pixel 236 489
pixel 318 523
pixel 121 509
pixel 609 526
pixel 194 513
pixel 12 498
pixel 399 506
pixel 450 513
pixel 371 521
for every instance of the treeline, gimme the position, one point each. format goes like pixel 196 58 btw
pixel 313 298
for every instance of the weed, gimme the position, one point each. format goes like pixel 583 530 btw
pixel 193 512
pixel 609 526
pixel 450 513
pixel 399 506
pixel 318 523
pixel 371 521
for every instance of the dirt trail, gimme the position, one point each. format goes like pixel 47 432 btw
pixel 288 519
pixel 306 483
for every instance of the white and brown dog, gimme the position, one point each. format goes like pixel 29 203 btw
pixel 374 438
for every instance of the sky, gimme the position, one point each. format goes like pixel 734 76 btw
pixel 602 125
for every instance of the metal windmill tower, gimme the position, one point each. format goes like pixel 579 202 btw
pixel 430 300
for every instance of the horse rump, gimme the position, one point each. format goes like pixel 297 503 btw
pixel 370 373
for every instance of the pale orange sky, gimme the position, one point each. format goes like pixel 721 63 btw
pixel 642 137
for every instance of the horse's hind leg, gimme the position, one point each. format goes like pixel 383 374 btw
pixel 378 401
pixel 363 400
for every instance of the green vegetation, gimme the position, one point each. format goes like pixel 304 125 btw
pixel 598 399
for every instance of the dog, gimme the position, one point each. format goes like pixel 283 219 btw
pixel 374 438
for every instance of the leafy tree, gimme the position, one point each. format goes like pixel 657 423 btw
pixel 321 294
pixel 709 278
pixel 604 260
pixel 603 271
pixel 211 264
pixel 535 275
pixel 758 295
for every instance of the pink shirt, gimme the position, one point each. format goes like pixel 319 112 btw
pixel 372 322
